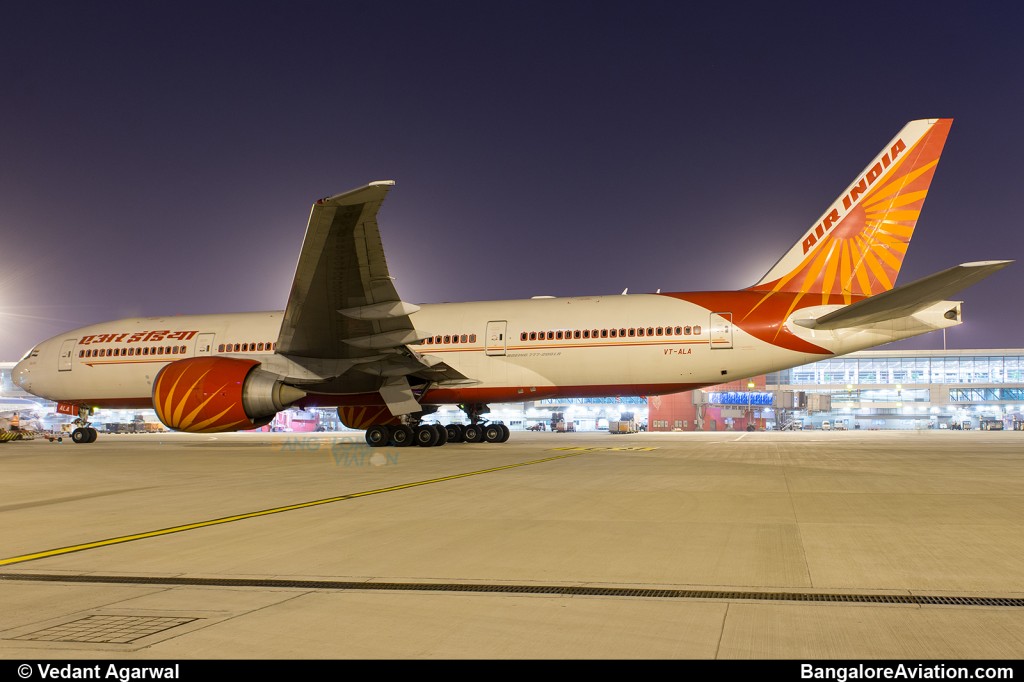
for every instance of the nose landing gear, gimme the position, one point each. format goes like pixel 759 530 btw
pixel 84 433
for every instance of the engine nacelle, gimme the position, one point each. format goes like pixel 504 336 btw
pixel 365 416
pixel 215 394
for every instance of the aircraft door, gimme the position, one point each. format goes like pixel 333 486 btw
pixel 67 350
pixel 204 344
pixel 495 344
pixel 720 330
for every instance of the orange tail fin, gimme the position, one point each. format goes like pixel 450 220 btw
pixel 857 247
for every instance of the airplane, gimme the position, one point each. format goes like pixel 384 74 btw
pixel 17 412
pixel 346 339
pixel 22 406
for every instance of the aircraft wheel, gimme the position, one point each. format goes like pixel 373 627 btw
pixel 426 436
pixel 80 435
pixel 442 434
pixel 402 436
pixel 456 433
pixel 378 436
pixel 493 433
pixel 473 433
pixel 505 433
pixel 93 435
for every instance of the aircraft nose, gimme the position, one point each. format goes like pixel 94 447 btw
pixel 21 375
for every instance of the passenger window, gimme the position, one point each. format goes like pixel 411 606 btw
pixel 614 333
pixel 576 334
pixel 551 335
pixel 687 330
pixel 259 346
pixel 604 333
pixel 472 338
pixel 632 331
pixel 586 333
pixel 437 339
pixel 464 338
pixel 640 331
pixel 131 351
pixel 696 329
pixel 81 353
pixel 523 337
pixel 447 338
pixel 650 331
pixel 661 331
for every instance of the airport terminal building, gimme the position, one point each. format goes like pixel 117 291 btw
pixel 877 389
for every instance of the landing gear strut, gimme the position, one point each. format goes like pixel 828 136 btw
pixel 84 433
pixel 412 432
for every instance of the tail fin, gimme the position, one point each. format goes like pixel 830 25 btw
pixel 857 247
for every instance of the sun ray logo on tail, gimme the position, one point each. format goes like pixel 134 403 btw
pixel 856 248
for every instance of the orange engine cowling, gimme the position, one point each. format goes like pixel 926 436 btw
pixel 365 416
pixel 215 394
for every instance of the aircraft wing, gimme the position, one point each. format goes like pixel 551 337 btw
pixel 343 304
pixel 907 299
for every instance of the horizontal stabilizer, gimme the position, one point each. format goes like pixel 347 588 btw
pixel 907 299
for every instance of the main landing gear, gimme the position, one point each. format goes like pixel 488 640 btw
pixel 431 435
pixel 83 433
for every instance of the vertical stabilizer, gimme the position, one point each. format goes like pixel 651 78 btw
pixel 857 247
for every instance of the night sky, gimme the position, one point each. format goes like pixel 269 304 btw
pixel 161 158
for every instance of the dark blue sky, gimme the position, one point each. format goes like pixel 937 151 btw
pixel 161 158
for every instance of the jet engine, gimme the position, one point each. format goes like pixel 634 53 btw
pixel 215 394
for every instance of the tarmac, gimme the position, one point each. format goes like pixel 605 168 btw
pixel 876 545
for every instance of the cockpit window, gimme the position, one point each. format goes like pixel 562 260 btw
pixel 31 351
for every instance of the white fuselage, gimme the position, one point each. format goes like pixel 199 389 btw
pixel 513 350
